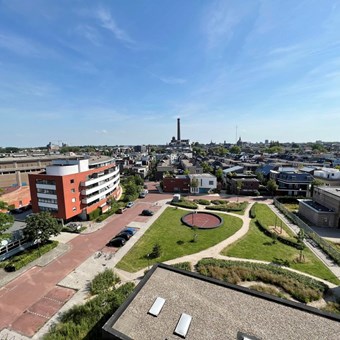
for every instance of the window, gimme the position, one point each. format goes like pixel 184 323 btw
pixel 72 181
pixel 74 209
pixel 211 182
pixel 73 199
pixel 73 190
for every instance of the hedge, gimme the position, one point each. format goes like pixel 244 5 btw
pixel 183 265
pixel 103 281
pixel 185 204
pixel 252 211
pixel 94 214
pixel 228 207
pixel 29 255
pixel 202 201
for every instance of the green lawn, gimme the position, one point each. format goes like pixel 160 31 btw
pixel 175 239
pixel 265 215
pixel 256 245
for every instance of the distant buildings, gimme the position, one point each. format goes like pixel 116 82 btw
pixel 179 144
pixel 75 187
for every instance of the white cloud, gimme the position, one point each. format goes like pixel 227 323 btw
pixel 18 45
pixel 109 23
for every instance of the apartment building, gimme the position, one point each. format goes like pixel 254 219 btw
pixel 75 187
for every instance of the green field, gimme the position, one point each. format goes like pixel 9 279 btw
pixel 256 245
pixel 175 239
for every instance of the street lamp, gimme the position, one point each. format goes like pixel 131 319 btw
pixel 38 240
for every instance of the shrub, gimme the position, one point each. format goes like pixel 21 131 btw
pixel 103 282
pixel 202 201
pixel 86 321
pixel 94 214
pixel 217 202
pixel 183 265
pixel 229 206
pixel 24 258
pixel 156 251
pixel 300 287
pixel 252 211
pixel 185 204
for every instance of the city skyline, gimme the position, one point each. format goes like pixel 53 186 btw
pixel 121 73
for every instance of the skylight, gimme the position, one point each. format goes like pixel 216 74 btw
pixel 183 325
pixel 157 306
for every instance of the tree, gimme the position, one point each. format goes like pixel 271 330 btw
pixel 206 167
pixel 156 251
pixel 6 222
pixel 194 184
pixel 41 226
pixel 315 183
pixel 235 149
pixel 272 186
pixel 301 237
pixel 219 174
pixel 239 185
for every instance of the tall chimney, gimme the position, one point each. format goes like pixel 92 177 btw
pixel 178 129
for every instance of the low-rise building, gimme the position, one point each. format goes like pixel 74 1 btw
pixel 328 176
pixel 205 183
pixel 170 303
pixel 324 209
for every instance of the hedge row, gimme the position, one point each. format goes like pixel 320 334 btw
pixel 280 238
pixel 228 207
pixel 29 255
pixel 183 265
pixel 185 204
pixel 94 214
pixel 252 211
pixel 202 201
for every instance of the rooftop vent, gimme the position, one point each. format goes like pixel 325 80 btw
pixel 183 325
pixel 157 306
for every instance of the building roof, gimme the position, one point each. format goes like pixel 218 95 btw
pixel 332 190
pixel 232 169
pixel 218 310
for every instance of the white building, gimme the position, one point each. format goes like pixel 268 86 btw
pixel 205 183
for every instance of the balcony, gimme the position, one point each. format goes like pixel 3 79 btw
pixel 40 195
pixel 99 179
pixel 87 192
pixel 48 205
pixel 99 196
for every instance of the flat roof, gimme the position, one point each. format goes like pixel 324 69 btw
pixel 218 310
pixel 332 190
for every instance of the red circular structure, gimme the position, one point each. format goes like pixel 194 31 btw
pixel 202 220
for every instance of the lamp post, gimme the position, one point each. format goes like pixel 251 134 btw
pixel 38 240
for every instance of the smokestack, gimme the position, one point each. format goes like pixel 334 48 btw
pixel 178 129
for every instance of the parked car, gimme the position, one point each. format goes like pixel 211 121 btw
pixel 74 227
pixel 147 212
pixel 121 210
pixel 142 195
pixel 16 211
pixel 116 242
pixel 129 230
pixel 125 235
pixel 130 204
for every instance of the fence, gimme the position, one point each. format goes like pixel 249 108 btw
pixel 324 245
pixel 13 248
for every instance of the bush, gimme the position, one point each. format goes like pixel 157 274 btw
pixel 94 214
pixel 252 211
pixel 217 202
pixel 22 259
pixel 202 201
pixel 185 204
pixel 300 287
pixel 103 281
pixel 156 251
pixel 183 265
pixel 86 321
pixel 229 206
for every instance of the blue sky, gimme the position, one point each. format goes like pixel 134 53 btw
pixel 121 72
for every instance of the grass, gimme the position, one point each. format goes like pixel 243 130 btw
pixel 269 218
pixel 175 239
pixel 256 245
pixel 291 206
